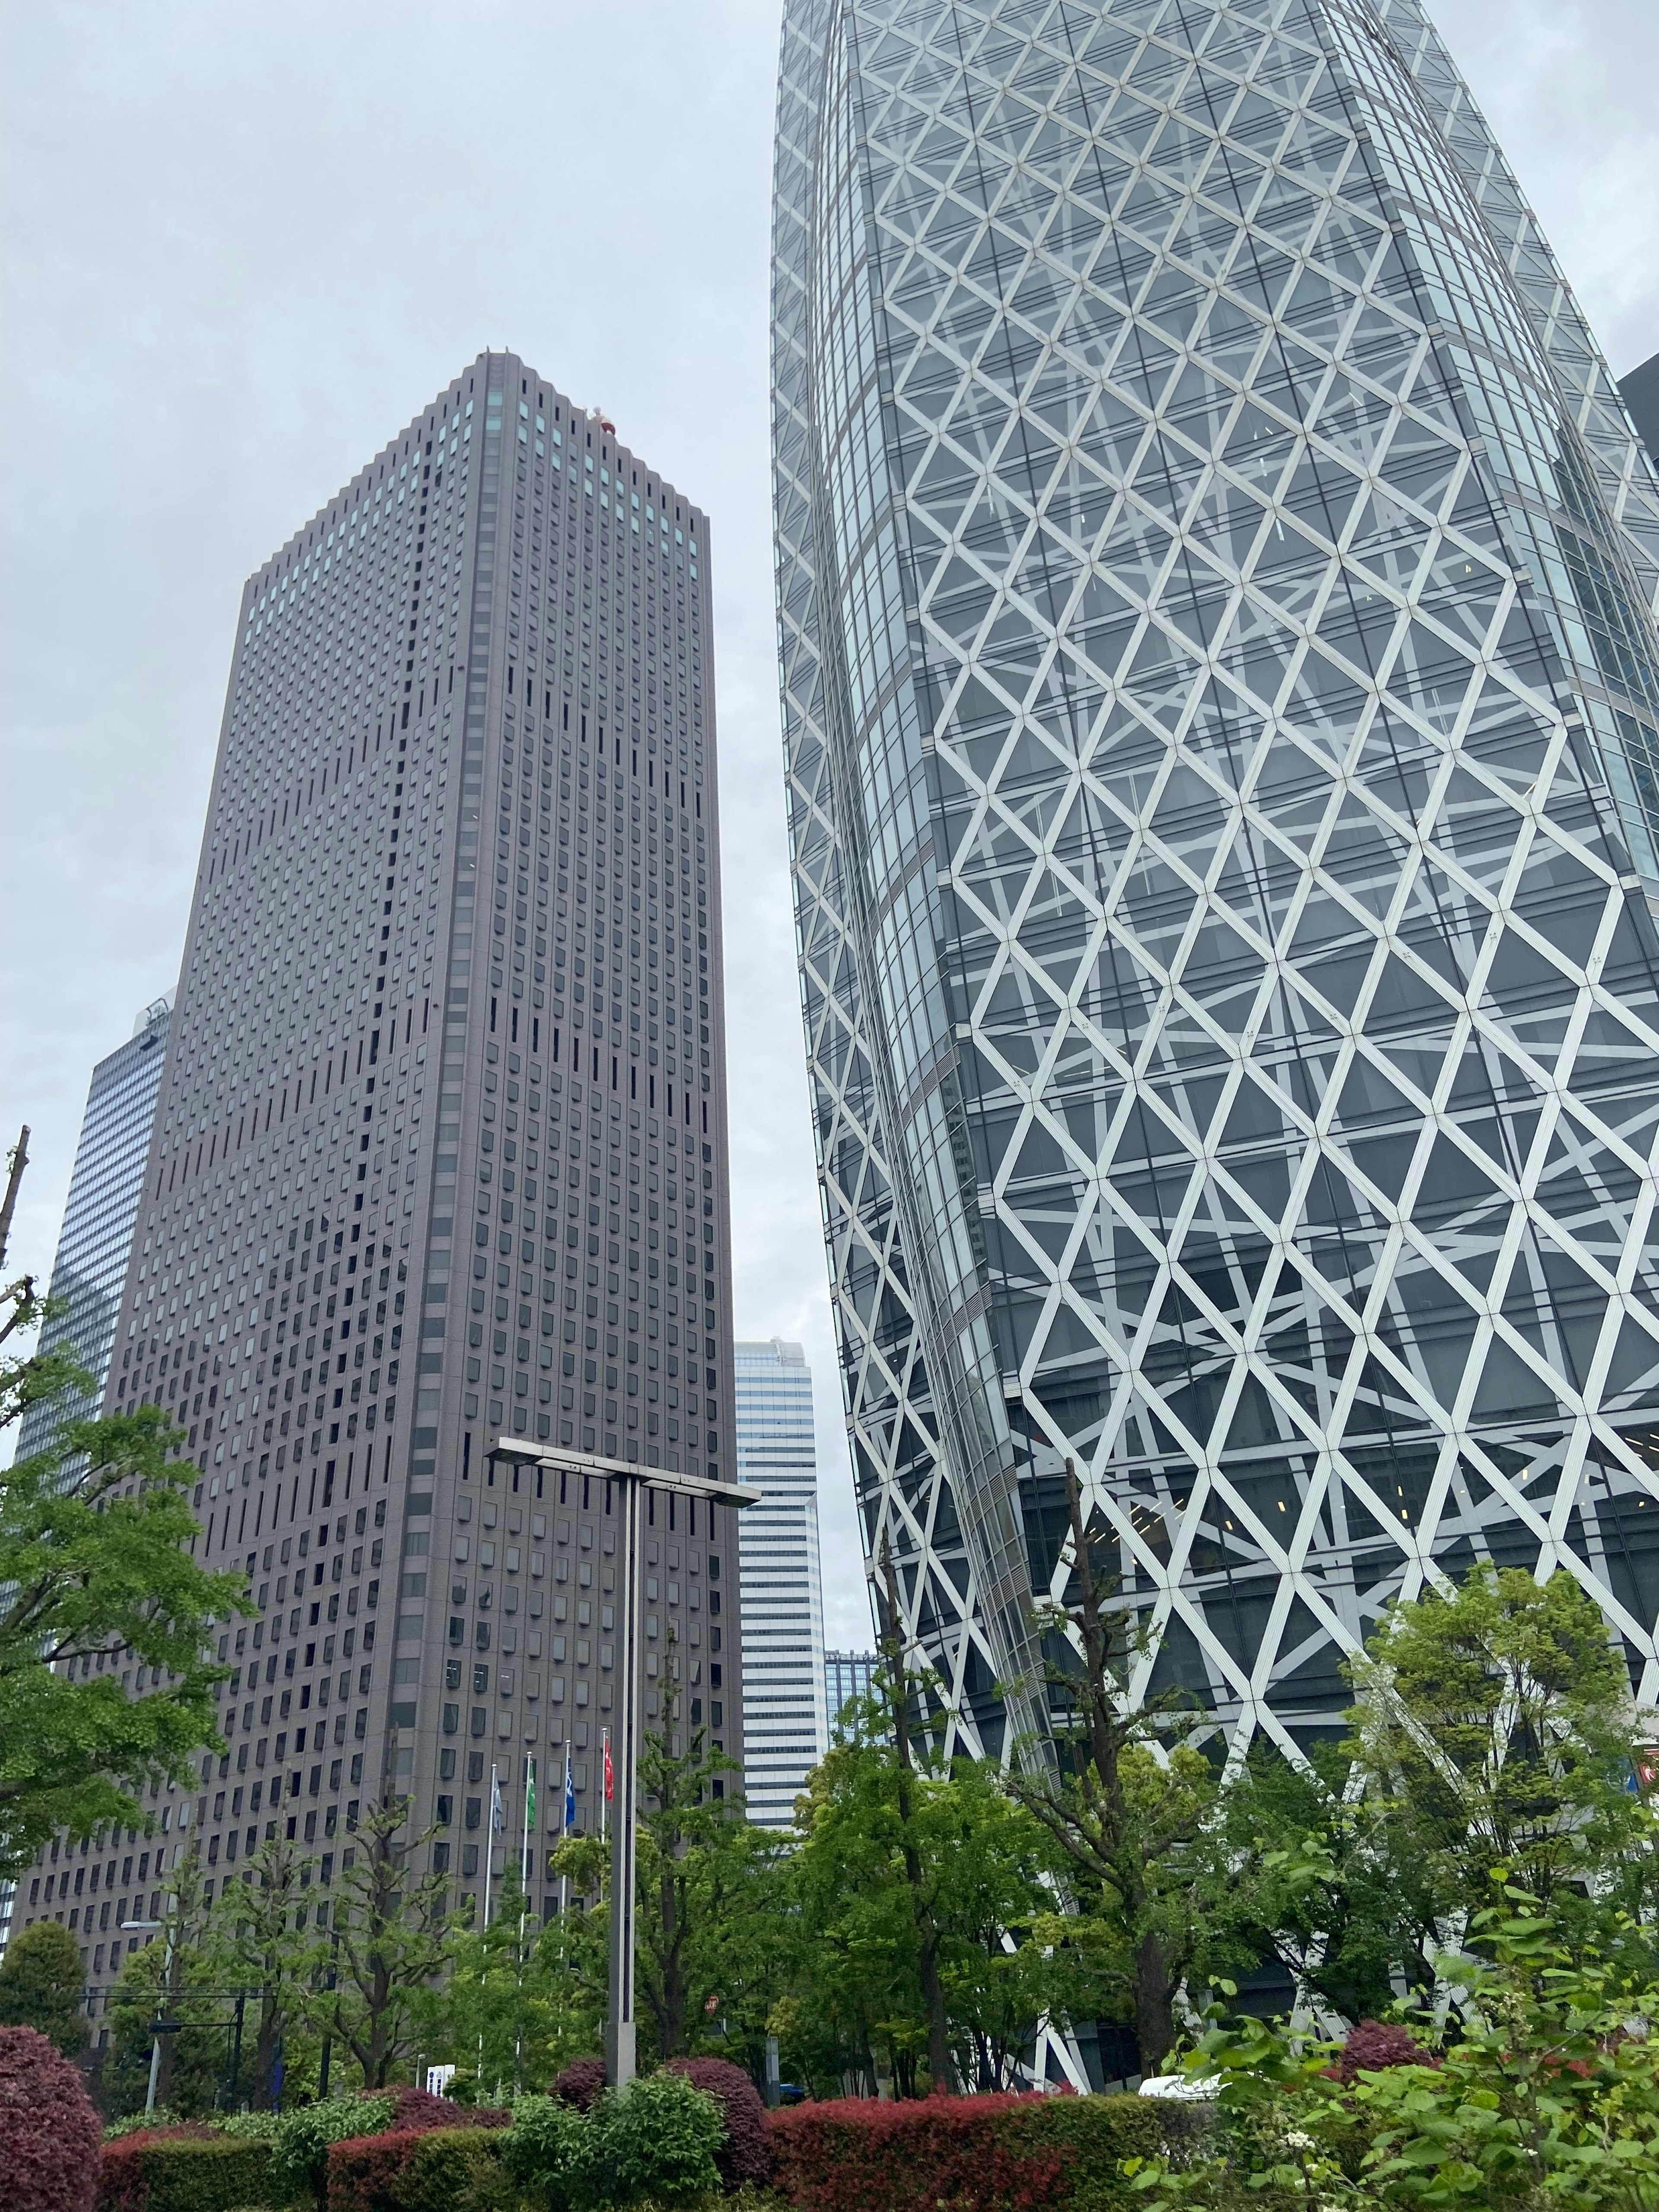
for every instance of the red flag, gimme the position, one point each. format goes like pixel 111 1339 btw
pixel 609 1779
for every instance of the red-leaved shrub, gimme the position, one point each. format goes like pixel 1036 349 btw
pixel 412 2170
pixel 975 2154
pixel 1374 2044
pixel 744 2155
pixel 580 2083
pixel 419 2108
pixel 49 2133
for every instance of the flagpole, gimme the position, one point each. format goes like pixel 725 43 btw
pixel 489 1839
pixel 564 1837
pixel 529 1801
pixel 607 1754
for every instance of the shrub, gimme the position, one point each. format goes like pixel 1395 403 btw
pixel 41 1981
pixel 580 2083
pixel 420 2169
pixel 49 2133
pixel 299 2164
pixel 1373 2044
pixel 183 2171
pixel 975 2154
pixel 744 2156
pixel 418 2108
pixel 652 2143
pixel 541 2151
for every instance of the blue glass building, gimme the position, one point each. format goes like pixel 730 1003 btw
pixel 96 1236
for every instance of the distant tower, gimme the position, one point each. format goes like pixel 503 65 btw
pixel 93 1244
pixel 1640 393
pixel 785 1717
pixel 847 1675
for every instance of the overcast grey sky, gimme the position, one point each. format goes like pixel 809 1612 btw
pixel 239 246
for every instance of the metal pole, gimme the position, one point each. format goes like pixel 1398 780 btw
pixel 619 2054
pixel 236 2053
pixel 630 1482
pixel 564 1831
pixel 160 2011
pixel 524 1862
pixel 328 2033
pixel 489 1839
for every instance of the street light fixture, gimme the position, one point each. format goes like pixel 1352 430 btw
pixel 161 2027
pixel 631 1482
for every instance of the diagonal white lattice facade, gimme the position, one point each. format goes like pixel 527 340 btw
pixel 1216 584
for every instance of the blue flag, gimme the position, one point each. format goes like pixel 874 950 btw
pixel 570 1793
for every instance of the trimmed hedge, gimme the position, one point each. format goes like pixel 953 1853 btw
pixel 48 2134
pixel 420 2169
pixel 975 2154
pixel 183 2171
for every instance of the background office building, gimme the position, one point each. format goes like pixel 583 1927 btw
pixel 1221 695
pixel 785 1720
pixel 94 1243
pixel 847 1675
pixel 440 1153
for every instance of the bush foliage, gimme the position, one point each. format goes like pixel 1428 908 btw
pixel 419 2169
pixel 580 2083
pixel 183 2170
pixel 744 2157
pixel 49 2135
pixel 974 2153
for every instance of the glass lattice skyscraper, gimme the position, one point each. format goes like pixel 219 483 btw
pixel 1215 592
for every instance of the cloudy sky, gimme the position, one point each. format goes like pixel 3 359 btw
pixel 238 246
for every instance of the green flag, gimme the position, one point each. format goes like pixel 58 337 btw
pixel 530 1793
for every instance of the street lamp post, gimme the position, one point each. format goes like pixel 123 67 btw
pixel 159 2027
pixel 631 1483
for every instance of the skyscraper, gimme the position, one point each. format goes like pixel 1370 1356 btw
pixel 1639 391
pixel 1221 694
pixel 847 1675
pixel 785 1719
pixel 441 1154
pixel 95 1239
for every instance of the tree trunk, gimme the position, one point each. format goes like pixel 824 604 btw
pixel 939 2065
pixel 673 1980
pixel 1155 2028
pixel 266 2045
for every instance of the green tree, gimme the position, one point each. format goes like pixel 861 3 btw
pixel 900 1863
pixel 1318 1887
pixel 392 1942
pixel 1495 1726
pixel 42 1984
pixel 573 1950
pixel 702 1873
pixel 259 1945
pixel 106 1684
pixel 497 2013
pixel 1133 1809
pixel 173 1978
pixel 711 1948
